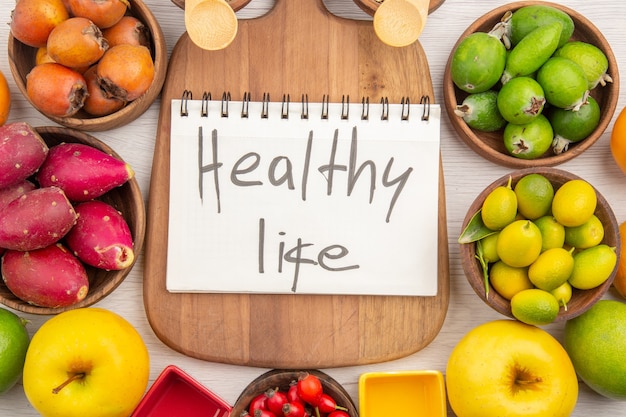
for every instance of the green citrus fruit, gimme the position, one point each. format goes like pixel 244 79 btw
pixel 499 208
pixel 563 294
pixel 530 140
pixel 552 232
pixel 480 111
pixel 551 269
pixel 564 83
pixel 521 100
pixel 586 235
pixel 519 243
pixel 534 196
pixel 574 203
pixel 596 342
pixel 508 280
pixel 477 62
pixel 534 306
pixel 14 341
pixel 590 58
pixel 592 266
pixel 488 243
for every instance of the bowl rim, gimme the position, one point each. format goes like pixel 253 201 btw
pixel 138 231
pixel 472 269
pixel 127 113
pixel 472 139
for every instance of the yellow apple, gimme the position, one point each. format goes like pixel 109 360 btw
pixel 508 368
pixel 86 362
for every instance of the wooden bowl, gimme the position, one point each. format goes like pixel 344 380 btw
pixel 490 145
pixel 581 300
pixel 282 378
pixel 127 199
pixel 22 60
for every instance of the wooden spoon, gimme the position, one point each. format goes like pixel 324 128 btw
pixel 400 22
pixel 211 24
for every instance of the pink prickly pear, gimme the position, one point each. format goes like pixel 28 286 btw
pixel 22 151
pixel 11 192
pixel 82 171
pixel 47 277
pixel 101 236
pixel 36 219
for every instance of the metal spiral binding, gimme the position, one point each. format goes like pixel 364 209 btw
pixel 425 100
pixel 204 110
pixel 187 95
pixel 365 108
pixel 304 112
pixel 284 111
pixel 406 108
pixel 225 100
pixel 345 107
pixel 384 114
pixel 245 105
pixel 266 104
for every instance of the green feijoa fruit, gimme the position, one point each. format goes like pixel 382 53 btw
pixel 528 141
pixel 532 51
pixel 573 126
pixel 521 100
pixel 564 83
pixel 591 59
pixel 480 111
pixel 477 62
pixel 528 18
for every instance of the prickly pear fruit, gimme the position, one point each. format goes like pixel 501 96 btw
pixel 36 219
pixel 47 277
pixel 22 151
pixel 10 193
pixel 82 171
pixel 101 236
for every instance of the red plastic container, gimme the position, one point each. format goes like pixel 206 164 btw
pixel 176 393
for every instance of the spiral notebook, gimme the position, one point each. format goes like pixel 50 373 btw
pixel 299 197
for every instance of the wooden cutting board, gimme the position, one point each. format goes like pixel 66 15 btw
pixel 298 47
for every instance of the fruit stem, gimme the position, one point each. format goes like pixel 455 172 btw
pixel 74 377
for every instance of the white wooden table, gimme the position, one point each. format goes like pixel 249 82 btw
pixel 465 175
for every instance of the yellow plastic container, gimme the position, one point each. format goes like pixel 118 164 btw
pixel 414 393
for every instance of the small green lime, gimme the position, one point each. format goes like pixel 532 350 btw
pixel 14 341
pixel 528 141
pixel 499 207
pixel 586 235
pixel 477 62
pixel 534 196
pixel 508 280
pixel 534 306
pixel 480 111
pixel 552 232
pixel 563 294
pixel 488 243
pixel 551 269
pixel 519 243
pixel 593 266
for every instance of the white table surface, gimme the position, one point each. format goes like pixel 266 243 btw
pixel 465 175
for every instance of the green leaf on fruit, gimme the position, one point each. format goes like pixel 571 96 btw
pixel 475 230
pixel 485 266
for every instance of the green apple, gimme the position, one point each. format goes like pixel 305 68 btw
pixel 14 342
pixel 508 368
pixel 86 362
pixel 596 342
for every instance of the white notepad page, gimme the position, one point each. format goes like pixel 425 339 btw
pixel 276 203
